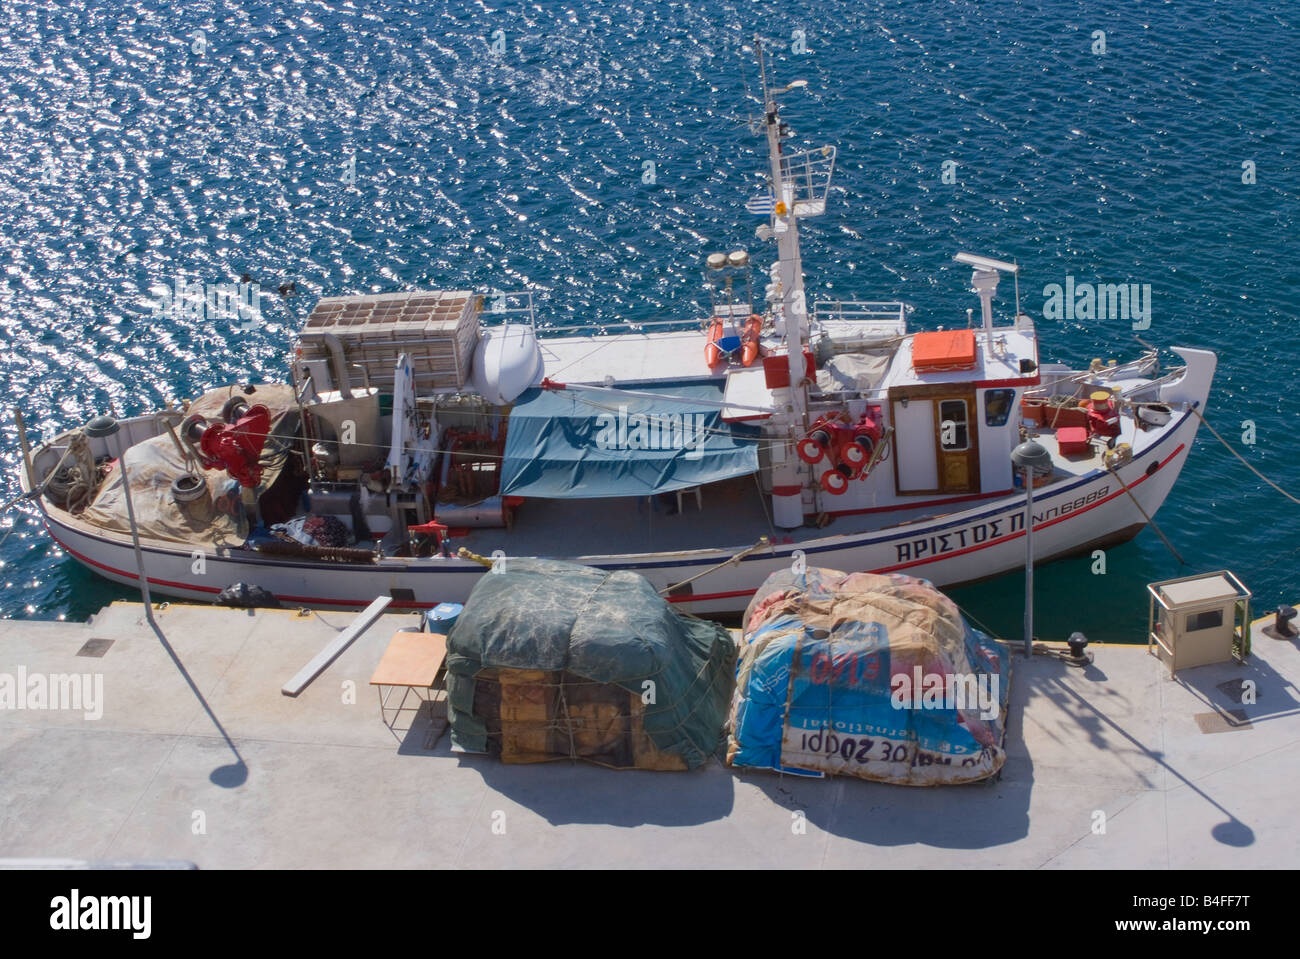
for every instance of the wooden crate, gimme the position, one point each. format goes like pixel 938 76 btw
pixel 526 713
pixel 437 330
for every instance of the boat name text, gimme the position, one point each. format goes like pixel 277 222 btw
pixel 977 534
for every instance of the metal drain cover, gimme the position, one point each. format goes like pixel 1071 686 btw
pixel 1230 721
pixel 1234 688
pixel 95 647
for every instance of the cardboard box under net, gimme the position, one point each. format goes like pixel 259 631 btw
pixel 535 716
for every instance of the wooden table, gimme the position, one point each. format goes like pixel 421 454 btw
pixel 413 662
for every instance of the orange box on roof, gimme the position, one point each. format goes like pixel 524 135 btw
pixel 943 350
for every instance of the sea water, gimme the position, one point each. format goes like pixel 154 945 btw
pixel 596 152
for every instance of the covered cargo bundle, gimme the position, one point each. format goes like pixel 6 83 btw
pixel 553 660
pixel 867 675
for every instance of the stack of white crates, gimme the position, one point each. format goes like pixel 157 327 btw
pixel 438 330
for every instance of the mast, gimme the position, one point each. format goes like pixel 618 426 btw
pixel 799 186
pixel 792 318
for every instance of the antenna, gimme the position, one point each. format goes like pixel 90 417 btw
pixel 986 263
pixel 1017 276
pixel 985 283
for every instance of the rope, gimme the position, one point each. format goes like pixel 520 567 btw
pixel 763 543
pixel 1243 459
pixel 1163 538
pixel 992 633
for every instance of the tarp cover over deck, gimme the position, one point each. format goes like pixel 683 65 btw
pixel 579 444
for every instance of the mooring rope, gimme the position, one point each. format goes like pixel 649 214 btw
pixel 1244 461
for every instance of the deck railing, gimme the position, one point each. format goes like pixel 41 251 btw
pixel 501 306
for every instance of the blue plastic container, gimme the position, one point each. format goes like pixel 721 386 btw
pixel 443 617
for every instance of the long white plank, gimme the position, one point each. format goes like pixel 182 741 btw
pixel 331 652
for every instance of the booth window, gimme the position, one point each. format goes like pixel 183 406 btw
pixel 1210 619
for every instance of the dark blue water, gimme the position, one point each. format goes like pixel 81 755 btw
pixel 133 151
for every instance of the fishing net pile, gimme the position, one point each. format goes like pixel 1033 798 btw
pixel 866 675
pixel 216 518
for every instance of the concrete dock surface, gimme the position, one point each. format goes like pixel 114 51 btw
pixel 199 757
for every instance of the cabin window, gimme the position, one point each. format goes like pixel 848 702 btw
pixel 1210 619
pixel 954 432
pixel 997 406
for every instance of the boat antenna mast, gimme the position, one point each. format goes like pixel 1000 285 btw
pixel 800 182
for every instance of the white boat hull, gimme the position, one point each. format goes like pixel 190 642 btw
pixel 969 544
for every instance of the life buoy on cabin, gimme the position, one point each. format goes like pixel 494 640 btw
pixel 836 480
pixel 856 453
pixel 815 445
pixel 822 439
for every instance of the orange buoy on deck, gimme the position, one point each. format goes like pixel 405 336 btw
pixel 753 329
pixel 713 352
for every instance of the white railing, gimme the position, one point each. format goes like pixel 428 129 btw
pixel 806 179
pixel 1144 366
pixel 500 306
pixel 891 315
pixel 615 327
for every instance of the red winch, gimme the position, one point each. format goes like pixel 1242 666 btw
pixel 822 438
pixel 235 445
pixel 848 448
pixel 857 448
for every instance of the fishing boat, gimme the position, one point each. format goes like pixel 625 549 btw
pixel 428 437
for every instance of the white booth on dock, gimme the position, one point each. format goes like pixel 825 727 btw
pixel 1199 619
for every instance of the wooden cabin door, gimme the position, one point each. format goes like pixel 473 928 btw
pixel 958 454
pixel 935 440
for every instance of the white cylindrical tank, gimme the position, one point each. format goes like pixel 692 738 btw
pixel 508 361
pixel 787 509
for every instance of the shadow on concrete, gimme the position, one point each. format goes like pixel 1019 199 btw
pixel 1232 831
pixel 1231 696
pixel 231 775
pixel 568 792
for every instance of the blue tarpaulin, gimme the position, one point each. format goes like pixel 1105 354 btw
pixel 867 675
pixel 572 444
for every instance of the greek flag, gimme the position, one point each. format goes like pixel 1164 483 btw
pixel 761 205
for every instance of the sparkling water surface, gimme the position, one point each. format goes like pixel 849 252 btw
pixel 353 147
